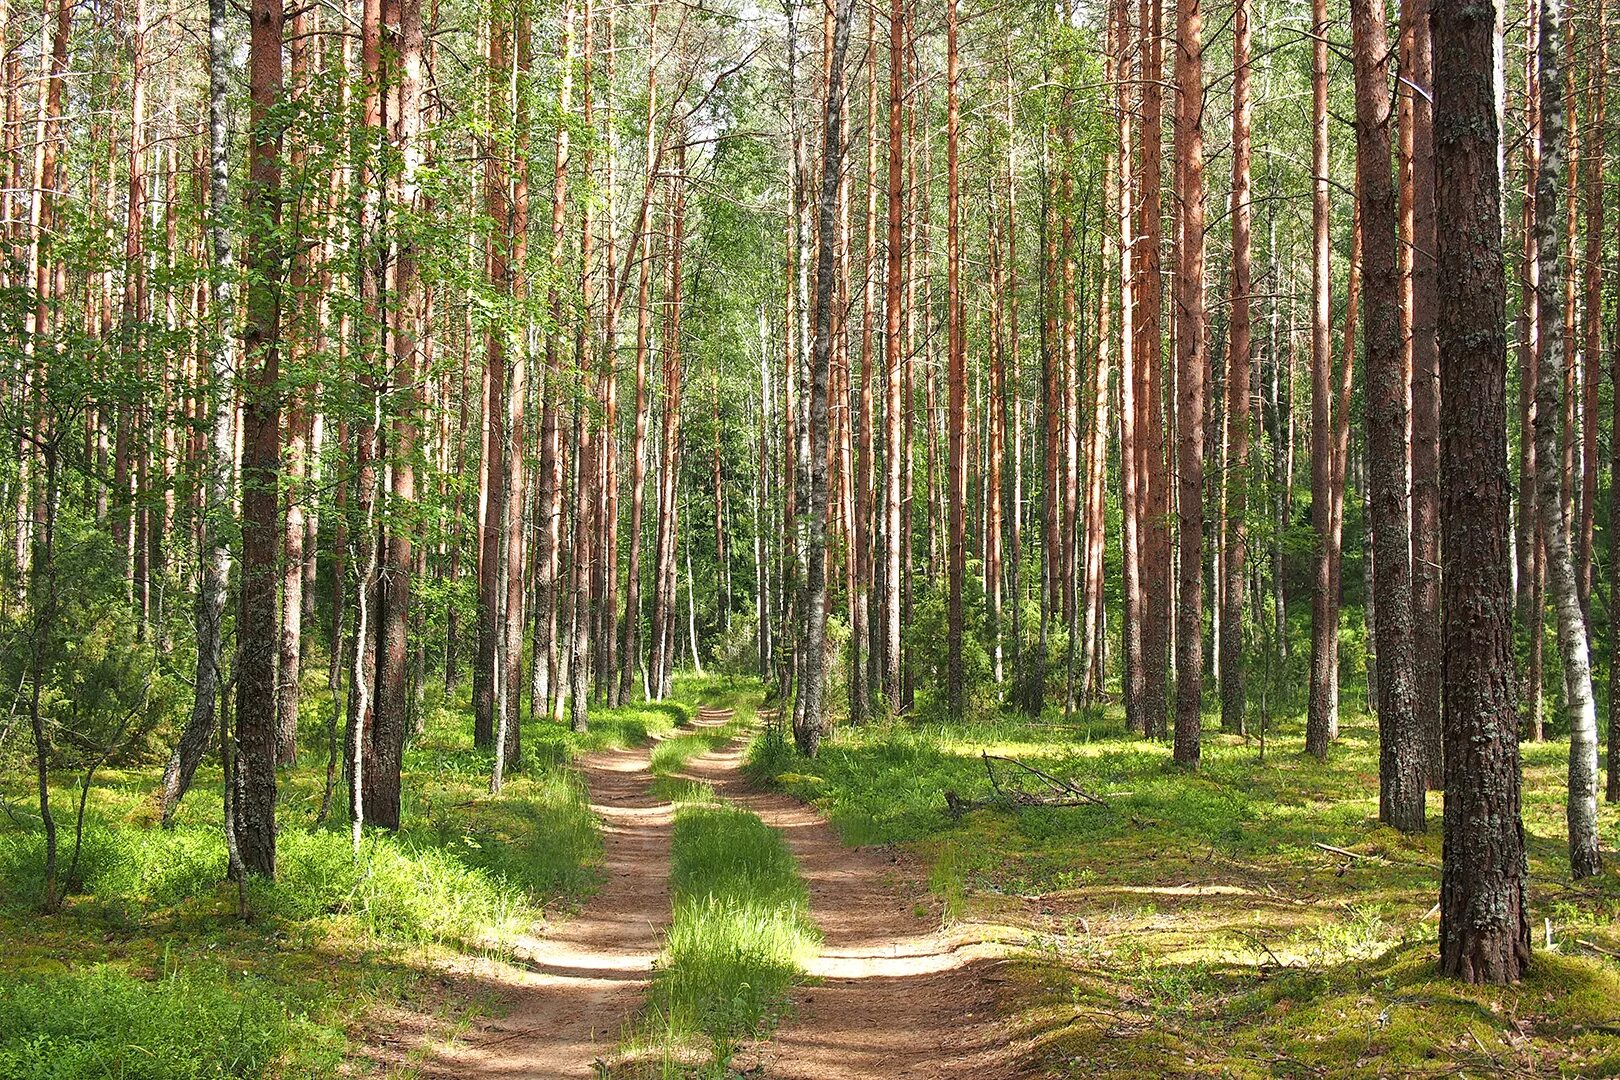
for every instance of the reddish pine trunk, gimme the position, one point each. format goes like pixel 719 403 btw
pixel 261 440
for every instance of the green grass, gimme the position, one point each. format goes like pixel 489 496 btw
pixel 147 973
pixel 740 930
pixel 738 940
pixel 1194 927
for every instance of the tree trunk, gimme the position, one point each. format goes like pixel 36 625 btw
pixel 894 447
pixel 1153 484
pixel 1322 713
pixel 1235 476
pixel 1572 642
pixel 219 460
pixel 261 418
pixel 810 721
pixel 1418 329
pixel 1192 373
pixel 956 422
pixel 1484 902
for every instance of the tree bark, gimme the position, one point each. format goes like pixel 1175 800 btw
pixel 956 422
pixel 219 460
pixel 1484 901
pixel 810 721
pixel 1571 624
pixel 1322 712
pixel 1419 301
pixel 1235 476
pixel 1192 373
pixel 261 418
pixel 1401 781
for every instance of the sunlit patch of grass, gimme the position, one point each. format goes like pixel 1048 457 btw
pixel 1162 920
pixel 333 937
pixel 739 938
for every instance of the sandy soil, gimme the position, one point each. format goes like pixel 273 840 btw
pixel 578 986
pixel 892 995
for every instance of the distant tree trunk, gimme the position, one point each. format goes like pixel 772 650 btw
pixel 1235 476
pixel 661 662
pixel 219 456
pixel 630 652
pixel 1131 529
pixel 546 686
pixel 810 720
pixel 957 362
pixel 1592 272
pixel 893 342
pixel 1528 537
pixel 586 478
pixel 1418 318
pixel 261 417
pixel 1322 714
pixel 1484 902
pixel 1192 373
pixel 497 268
pixel 296 464
pixel 1572 643
pixel 1153 483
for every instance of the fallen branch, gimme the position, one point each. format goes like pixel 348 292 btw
pixel 1058 784
pixel 1597 948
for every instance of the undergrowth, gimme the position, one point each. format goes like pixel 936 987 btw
pixel 740 932
pixel 1204 924
pixel 146 973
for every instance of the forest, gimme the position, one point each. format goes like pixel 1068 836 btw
pixel 699 539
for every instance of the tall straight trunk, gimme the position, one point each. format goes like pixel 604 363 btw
pixel 1613 740
pixel 995 404
pixel 1484 898
pixel 1322 713
pixel 1192 368
pixel 1153 483
pixel 893 343
pixel 1572 642
pixel 547 676
pixel 810 721
pixel 1400 773
pixel 1014 386
pixel 1235 475
pixel 607 552
pixel 586 478
pixel 1592 317
pixel 132 516
pixel 402 28
pixel 665 565
pixel 261 419
pixel 219 458
pixel 296 462
pixel 1129 360
pixel 956 422
pixel 1528 541
pixel 630 652
pixel 1419 301
pixel 497 268
pixel 864 665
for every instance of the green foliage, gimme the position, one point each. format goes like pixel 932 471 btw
pixel 195 1025
pixel 740 934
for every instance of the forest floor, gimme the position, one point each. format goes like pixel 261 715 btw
pixel 1250 920
pixel 678 894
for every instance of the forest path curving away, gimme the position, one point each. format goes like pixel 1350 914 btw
pixel 891 994
pixel 578 986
